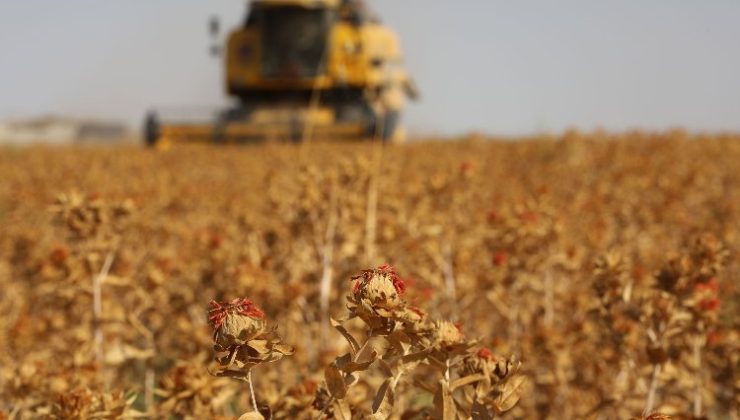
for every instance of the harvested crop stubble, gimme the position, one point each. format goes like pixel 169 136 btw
pixel 601 268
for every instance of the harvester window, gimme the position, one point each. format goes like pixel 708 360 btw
pixel 356 13
pixel 294 41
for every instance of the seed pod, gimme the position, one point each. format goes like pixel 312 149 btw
pixel 447 333
pixel 380 288
pixel 235 322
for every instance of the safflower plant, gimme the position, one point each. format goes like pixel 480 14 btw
pixel 242 340
pixel 400 340
pixel 672 316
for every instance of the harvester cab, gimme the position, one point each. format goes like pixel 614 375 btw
pixel 300 69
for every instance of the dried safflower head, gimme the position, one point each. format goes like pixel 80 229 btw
pixel 706 295
pixel 235 322
pixel 83 403
pixel 485 362
pixel 446 340
pixel 482 361
pixel 610 265
pixel 708 256
pixel 377 299
pixel 242 339
pixel 498 377
pixel 447 333
pixel 59 255
pixel 89 216
pixel 711 286
pixel 710 305
pixel 380 288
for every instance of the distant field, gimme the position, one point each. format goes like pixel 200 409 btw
pixel 591 259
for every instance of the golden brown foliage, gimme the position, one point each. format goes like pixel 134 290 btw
pixel 603 269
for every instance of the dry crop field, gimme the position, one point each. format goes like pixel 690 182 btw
pixel 588 276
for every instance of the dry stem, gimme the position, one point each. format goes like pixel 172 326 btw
pixel 650 402
pixel 549 300
pixel 327 260
pixel 98 306
pixel 697 379
pixel 251 390
pixel 371 220
pixel 450 281
pixel 149 387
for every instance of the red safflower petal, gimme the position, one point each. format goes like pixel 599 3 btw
pixel 500 258
pixel 485 353
pixel 220 310
pixel 417 311
pixel 529 217
pixel 400 286
pixel 494 216
pixel 710 305
pixel 713 338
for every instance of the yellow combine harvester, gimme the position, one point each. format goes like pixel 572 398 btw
pixel 299 69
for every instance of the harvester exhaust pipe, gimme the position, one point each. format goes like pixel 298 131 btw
pixel 214 30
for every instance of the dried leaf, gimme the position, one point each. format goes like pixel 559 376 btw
pixel 457 383
pixel 416 357
pixel 342 410
pixel 354 346
pixel 444 403
pixel 400 341
pixel 335 381
pixel 384 367
pixel 350 366
pixel 284 349
pixel 260 346
pixel 384 399
pixel 510 393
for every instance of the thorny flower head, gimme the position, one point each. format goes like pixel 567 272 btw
pixel 484 361
pixel 242 339
pixel 377 298
pixel 235 322
pixel 86 403
pixel 499 377
pixel 379 288
pixel 86 217
pixel 610 278
pixel 706 295
pixel 446 340
pixel 447 333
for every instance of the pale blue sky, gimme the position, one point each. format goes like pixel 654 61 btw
pixel 507 67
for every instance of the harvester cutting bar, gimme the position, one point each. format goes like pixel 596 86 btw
pixel 241 132
pixel 259 125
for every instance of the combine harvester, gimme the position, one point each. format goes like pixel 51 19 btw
pixel 299 70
